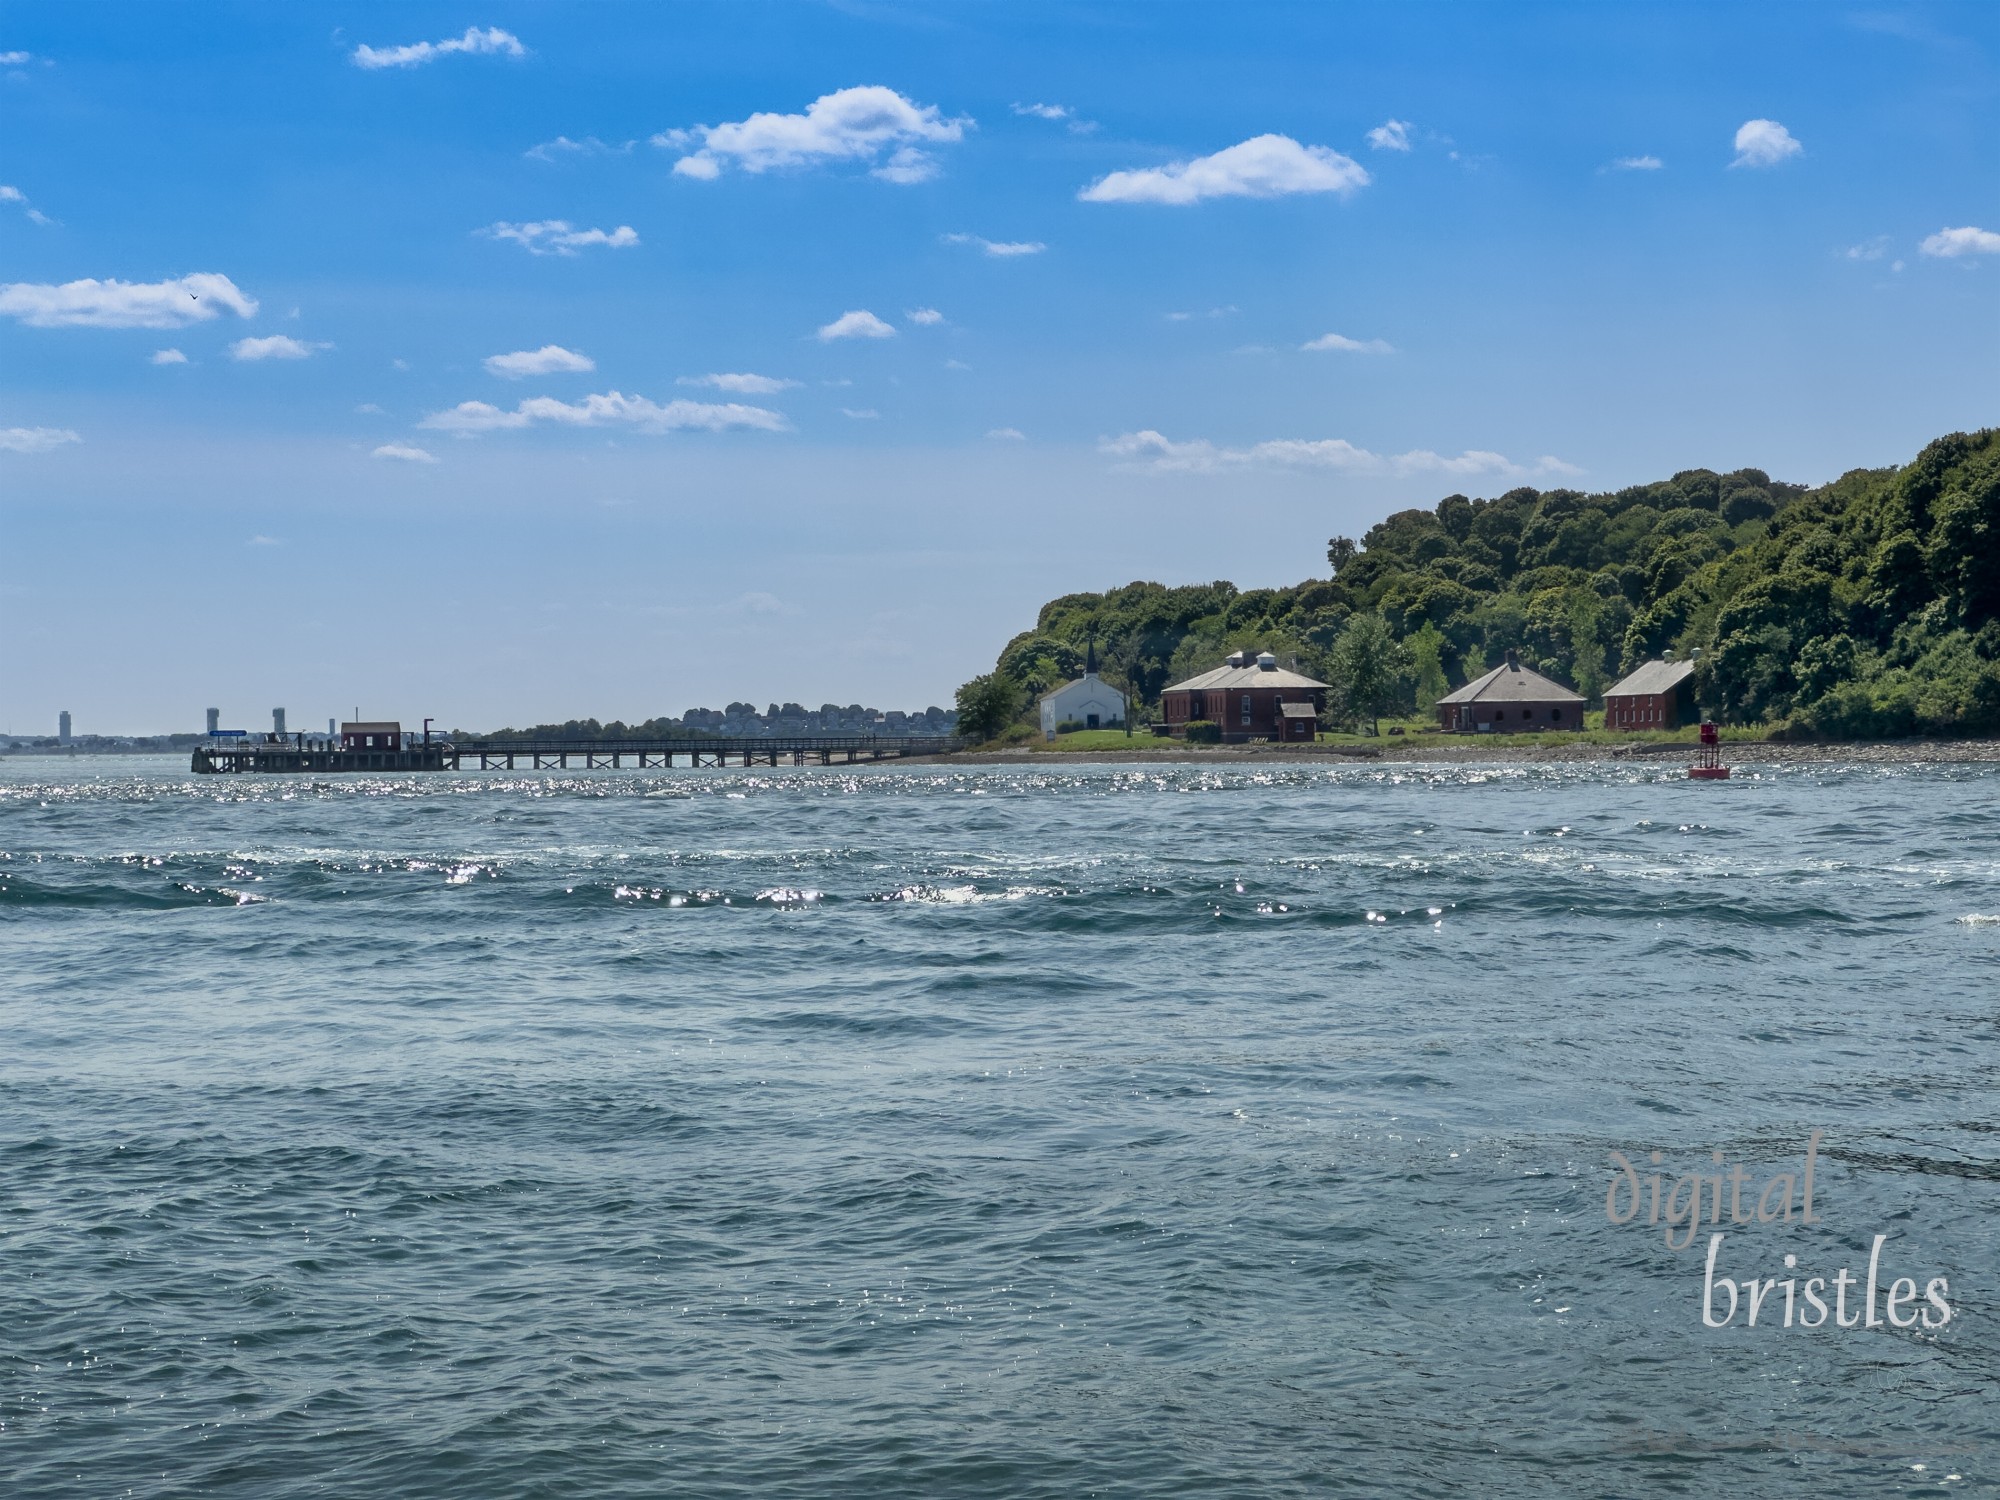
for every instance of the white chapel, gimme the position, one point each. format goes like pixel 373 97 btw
pixel 1089 701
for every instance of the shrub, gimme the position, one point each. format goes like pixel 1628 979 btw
pixel 1204 732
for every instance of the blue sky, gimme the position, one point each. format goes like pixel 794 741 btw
pixel 1136 291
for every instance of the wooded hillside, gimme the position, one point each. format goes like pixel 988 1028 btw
pixel 1869 606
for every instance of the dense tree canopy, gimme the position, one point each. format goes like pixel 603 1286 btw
pixel 1868 606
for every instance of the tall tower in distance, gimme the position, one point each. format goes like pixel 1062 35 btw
pixel 63 736
pixel 214 721
pixel 278 722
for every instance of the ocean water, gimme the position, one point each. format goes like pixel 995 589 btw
pixel 1020 1131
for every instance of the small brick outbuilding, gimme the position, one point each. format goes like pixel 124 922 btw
pixel 1510 699
pixel 1660 695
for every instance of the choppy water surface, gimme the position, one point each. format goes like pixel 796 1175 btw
pixel 1012 1132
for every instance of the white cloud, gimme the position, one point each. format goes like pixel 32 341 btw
pixel 35 439
pixel 277 346
pixel 1213 312
pixel 1008 435
pixel 1335 341
pixel 1637 164
pixel 907 165
pixel 1873 249
pixel 760 603
pixel 168 357
pixel 1045 111
pixel 859 324
pixel 563 146
pixel 550 359
pixel 11 194
pixel 1152 451
pixel 1266 166
pixel 15 59
pixel 476 41
pixel 999 248
pixel 1764 143
pixel 1390 135
pixel 265 541
pixel 611 409
pixel 956 364
pixel 560 237
pixel 864 414
pixel 847 125
pixel 405 453
pixel 1948 244
pixel 125 304
pixel 370 409
pixel 924 317
pixel 741 385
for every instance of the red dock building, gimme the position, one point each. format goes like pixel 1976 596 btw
pixel 1249 698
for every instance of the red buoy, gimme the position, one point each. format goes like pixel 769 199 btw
pixel 1708 764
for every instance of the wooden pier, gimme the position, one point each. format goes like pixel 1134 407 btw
pixel 300 754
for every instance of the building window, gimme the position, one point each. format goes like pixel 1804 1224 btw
pixel 1555 713
pixel 1246 708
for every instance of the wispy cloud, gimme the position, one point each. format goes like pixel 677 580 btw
pixel 1266 166
pixel 1007 435
pixel 550 359
pixel 741 385
pixel 404 453
pixel 1764 143
pixel 1045 111
pixel 20 199
pixel 1390 135
pixel 489 41
pixel 925 317
pixel 1327 342
pixel 562 147
pixel 1873 249
pixel 859 324
pixel 613 409
pixel 168 357
pixel 125 304
pixel 560 237
pixel 277 346
pixel 1213 312
pixel 1636 164
pixel 860 414
pixel 15 59
pixel 1002 249
pixel 35 439
pixel 854 124
pixel 1156 453
pixel 1949 244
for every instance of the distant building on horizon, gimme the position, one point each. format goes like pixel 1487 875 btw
pixel 1089 701
pixel 63 736
pixel 214 721
pixel 278 722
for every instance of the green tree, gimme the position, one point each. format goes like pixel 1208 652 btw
pixel 1427 648
pixel 1368 666
pixel 988 704
pixel 1340 551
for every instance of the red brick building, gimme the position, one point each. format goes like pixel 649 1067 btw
pixel 1250 698
pixel 1660 695
pixel 1510 699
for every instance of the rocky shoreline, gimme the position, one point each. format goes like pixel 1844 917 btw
pixel 1488 750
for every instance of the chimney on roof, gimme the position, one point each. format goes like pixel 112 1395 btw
pixel 1266 662
pixel 1513 660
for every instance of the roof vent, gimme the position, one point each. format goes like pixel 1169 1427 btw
pixel 1266 662
pixel 1235 659
pixel 1513 660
